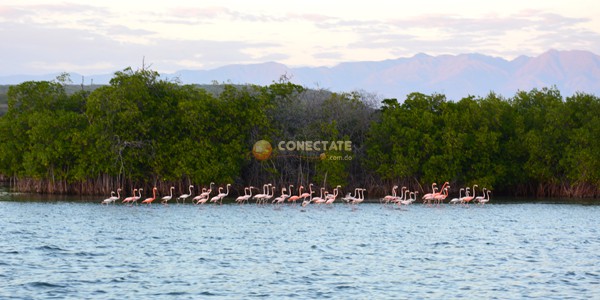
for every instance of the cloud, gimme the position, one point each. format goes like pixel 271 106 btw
pixel 67 35
pixel 491 34
pixel 88 52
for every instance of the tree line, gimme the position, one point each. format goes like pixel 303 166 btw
pixel 141 130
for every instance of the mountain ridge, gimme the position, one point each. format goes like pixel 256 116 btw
pixel 456 76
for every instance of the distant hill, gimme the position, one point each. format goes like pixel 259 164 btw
pixel 456 76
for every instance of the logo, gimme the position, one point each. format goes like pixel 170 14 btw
pixel 262 150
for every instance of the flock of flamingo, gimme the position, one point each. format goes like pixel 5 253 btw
pixel 436 198
pixel 405 197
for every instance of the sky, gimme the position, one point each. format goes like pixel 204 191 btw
pixel 101 37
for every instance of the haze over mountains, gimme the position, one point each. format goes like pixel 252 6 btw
pixel 456 76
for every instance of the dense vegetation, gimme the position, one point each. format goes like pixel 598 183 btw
pixel 141 130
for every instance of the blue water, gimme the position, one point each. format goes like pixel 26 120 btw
pixel 508 251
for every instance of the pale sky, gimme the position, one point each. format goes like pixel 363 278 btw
pixel 100 37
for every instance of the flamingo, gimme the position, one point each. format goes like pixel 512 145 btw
pixel 319 200
pixel 247 199
pixel 112 197
pixel 406 201
pixel 479 198
pixel 467 193
pixel 289 190
pixel 306 195
pixel 269 196
pixel 265 193
pixel 221 195
pixel 429 196
pixel 467 199
pixel 216 198
pixel 296 197
pixel 403 195
pixel 360 199
pixel 459 199
pixel 107 200
pixel 205 193
pixel 138 197
pixel 149 200
pixel 331 198
pixel 439 198
pixel 241 199
pixel 391 197
pixel 281 198
pixel 185 196
pixel 129 199
pixel 485 200
pixel 443 186
pixel 166 199
pixel 200 197
pixel 349 198
pixel 306 201
pixel 203 200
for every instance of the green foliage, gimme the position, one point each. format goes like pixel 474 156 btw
pixel 532 140
pixel 143 130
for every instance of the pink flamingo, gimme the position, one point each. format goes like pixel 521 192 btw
pixel 205 193
pixel 439 198
pixel 219 197
pixel 306 201
pixel 360 199
pixel 200 197
pixel 241 199
pixel 319 200
pixel 149 200
pixel 264 194
pixel 166 199
pixel 468 199
pixel 391 197
pixel 429 196
pixel 281 199
pixel 203 200
pixel 247 199
pixel 402 197
pixel 129 199
pixel 331 198
pixel 296 197
pixel 306 195
pixel 138 197
pixel 269 196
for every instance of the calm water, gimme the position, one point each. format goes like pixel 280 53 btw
pixel 85 250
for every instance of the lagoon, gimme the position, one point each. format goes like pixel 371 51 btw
pixel 80 249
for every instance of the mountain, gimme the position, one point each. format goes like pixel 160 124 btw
pixel 456 76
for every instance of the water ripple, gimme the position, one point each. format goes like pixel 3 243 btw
pixel 78 250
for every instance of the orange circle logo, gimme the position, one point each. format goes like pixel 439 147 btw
pixel 262 150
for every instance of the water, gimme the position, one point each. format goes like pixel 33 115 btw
pixel 507 251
